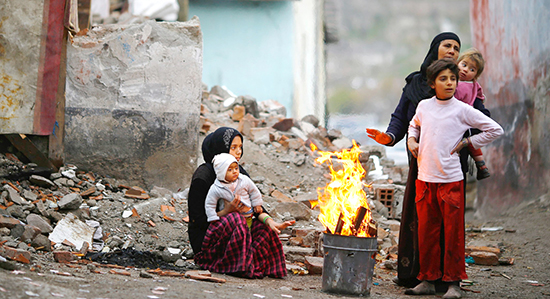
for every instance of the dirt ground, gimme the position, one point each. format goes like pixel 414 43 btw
pixel 524 237
pixel 527 278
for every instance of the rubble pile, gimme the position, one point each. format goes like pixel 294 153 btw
pixel 72 211
pixel 78 217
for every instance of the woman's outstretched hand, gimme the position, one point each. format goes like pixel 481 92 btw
pixel 379 137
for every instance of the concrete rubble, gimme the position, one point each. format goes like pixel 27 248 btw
pixel 75 216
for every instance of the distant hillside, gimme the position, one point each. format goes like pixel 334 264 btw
pixel 380 43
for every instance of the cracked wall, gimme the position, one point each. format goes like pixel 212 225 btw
pixel 515 41
pixel 133 102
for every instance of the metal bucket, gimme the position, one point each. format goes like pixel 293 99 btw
pixel 348 264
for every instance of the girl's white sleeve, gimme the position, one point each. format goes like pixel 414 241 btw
pixel 490 128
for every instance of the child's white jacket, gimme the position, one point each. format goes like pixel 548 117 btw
pixel 249 193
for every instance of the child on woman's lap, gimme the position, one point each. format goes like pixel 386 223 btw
pixel 230 184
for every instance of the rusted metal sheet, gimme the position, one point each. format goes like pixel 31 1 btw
pixel 515 41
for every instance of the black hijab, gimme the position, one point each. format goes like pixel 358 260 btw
pixel 417 87
pixel 219 142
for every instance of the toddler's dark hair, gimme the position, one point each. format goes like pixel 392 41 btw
pixel 440 65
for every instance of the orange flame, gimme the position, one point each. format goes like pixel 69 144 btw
pixel 343 197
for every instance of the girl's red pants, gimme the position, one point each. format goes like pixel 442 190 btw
pixel 440 209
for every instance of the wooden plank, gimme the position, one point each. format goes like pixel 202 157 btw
pixel 27 147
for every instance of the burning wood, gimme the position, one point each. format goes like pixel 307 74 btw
pixel 360 215
pixel 339 224
pixel 343 202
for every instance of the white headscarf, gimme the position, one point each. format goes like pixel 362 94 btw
pixel 221 163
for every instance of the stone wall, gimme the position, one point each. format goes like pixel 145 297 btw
pixel 515 41
pixel 133 101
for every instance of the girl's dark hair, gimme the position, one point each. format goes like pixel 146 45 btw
pixel 440 65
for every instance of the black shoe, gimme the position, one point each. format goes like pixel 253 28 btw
pixel 482 170
pixel 408 282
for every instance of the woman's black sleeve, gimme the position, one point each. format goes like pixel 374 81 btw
pixel 399 123
pixel 196 198
pixel 478 104
pixel 198 223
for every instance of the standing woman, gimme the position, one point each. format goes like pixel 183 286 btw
pixel 444 45
pixel 228 245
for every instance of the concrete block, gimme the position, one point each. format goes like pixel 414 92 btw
pixel 30 233
pixel 19 66
pixel 262 135
pixel 133 96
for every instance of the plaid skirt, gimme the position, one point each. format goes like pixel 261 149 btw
pixel 230 247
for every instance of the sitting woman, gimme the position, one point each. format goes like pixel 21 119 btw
pixel 228 245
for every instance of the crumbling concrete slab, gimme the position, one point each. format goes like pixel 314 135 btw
pixel 133 101
pixel 21 29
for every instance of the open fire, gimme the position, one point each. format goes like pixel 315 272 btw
pixel 343 202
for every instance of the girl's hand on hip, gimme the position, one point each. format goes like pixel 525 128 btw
pixel 413 146
pixel 462 144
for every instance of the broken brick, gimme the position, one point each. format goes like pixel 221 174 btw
pixel 137 193
pixel 120 272
pixel 494 250
pixel 314 264
pixel 484 258
pixel 296 241
pixel 284 125
pixel 63 256
pixel 8 222
pixel 238 113
pixel 88 191
pixel 15 254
